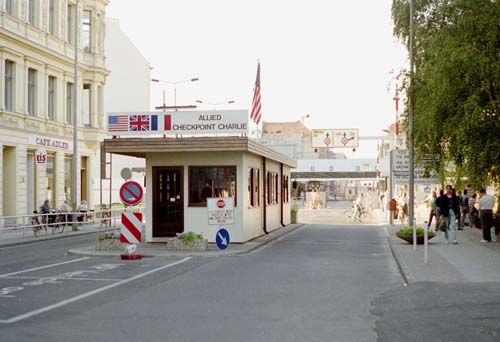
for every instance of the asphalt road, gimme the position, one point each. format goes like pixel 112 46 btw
pixel 320 283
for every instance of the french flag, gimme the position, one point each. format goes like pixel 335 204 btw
pixel 167 122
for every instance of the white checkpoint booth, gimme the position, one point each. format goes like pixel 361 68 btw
pixel 182 173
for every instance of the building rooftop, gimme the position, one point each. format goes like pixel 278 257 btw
pixel 139 147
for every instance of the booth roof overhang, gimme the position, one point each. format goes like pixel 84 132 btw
pixel 139 147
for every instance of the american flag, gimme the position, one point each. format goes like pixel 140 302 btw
pixel 118 123
pixel 139 123
pixel 256 113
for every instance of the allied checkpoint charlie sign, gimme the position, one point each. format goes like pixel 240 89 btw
pixel 182 123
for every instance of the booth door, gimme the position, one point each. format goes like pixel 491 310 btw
pixel 168 202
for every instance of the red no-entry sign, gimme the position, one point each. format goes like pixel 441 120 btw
pixel 131 193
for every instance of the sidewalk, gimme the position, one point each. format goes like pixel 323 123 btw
pixel 467 261
pixel 160 250
pixel 20 236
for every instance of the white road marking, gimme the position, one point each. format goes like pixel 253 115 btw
pixel 91 293
pixel 62 278
pixel 42 267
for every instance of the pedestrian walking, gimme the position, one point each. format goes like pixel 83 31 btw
pixel 464 207
pixel 486 203
pixel 458 215
pixel 433 209
pixel 438 212
pixel 473 212
pixel 449 205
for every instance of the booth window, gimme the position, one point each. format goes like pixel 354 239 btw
pixel 276 189
pixel 251 199
pixel 272 191
pixel 253 187
pixel 285 189
pixel 256 187
pixel 211 181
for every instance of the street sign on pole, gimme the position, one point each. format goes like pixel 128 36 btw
pixel 222 239
pixel 131 193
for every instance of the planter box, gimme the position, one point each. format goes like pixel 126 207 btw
pixel 409 239
pixel 109 244
pixel 177 245
pixel 293 217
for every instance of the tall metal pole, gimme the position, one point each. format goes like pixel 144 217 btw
pixel 391 187
pixel 411 212
pixel 75 122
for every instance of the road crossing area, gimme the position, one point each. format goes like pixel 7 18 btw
pixel 33 291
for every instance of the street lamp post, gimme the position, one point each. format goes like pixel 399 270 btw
pixel 75 122
pixel 215 104
pixel 411 147
pixel 175 83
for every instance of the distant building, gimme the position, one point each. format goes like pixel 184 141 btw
pixel 127 90
pixel 293 139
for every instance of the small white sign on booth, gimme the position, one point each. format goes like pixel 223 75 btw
pixel 220 210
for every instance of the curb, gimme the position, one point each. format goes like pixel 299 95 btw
pixel 397 258
pixel 75 252
pixel 53 237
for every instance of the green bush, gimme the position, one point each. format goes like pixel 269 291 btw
pixel 408 231
pixel 190 237
pixel 110 235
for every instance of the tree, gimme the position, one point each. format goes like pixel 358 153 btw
pixel 456 85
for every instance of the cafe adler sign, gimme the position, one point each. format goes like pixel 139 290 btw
pixel 222 122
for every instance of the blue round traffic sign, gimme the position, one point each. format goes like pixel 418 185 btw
pixel 131 193
pixel 222 238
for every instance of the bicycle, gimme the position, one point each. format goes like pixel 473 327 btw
pixel 365 215
pixel 40 222
pixel 37 225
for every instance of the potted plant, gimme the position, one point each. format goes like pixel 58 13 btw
pixel 188 241
pixel 407 234
pixel 109 241
pixel 294 210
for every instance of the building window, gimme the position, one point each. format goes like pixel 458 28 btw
pixel 70 34
pixel 68 176
pixel 51 180
pixel 312 168
pixel 52 97
pixel 52 16
pixel 87 31
pixel 32 92
pixel 10 68
pixel 211 181
pixel 331 168
pixel 69 103
pixel 86 104
pixel 33 12
pixel 9 6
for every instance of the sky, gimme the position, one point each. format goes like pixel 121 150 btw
pixel 333 60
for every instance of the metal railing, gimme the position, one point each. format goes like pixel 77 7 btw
pixel 23 225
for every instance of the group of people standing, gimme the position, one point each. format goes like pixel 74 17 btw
pixel 451 210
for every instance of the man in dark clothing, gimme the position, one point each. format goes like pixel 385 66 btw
pixel 448 206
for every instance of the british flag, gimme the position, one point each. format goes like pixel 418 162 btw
pixel 139 123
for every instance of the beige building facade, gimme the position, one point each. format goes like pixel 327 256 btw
pixel 36 103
